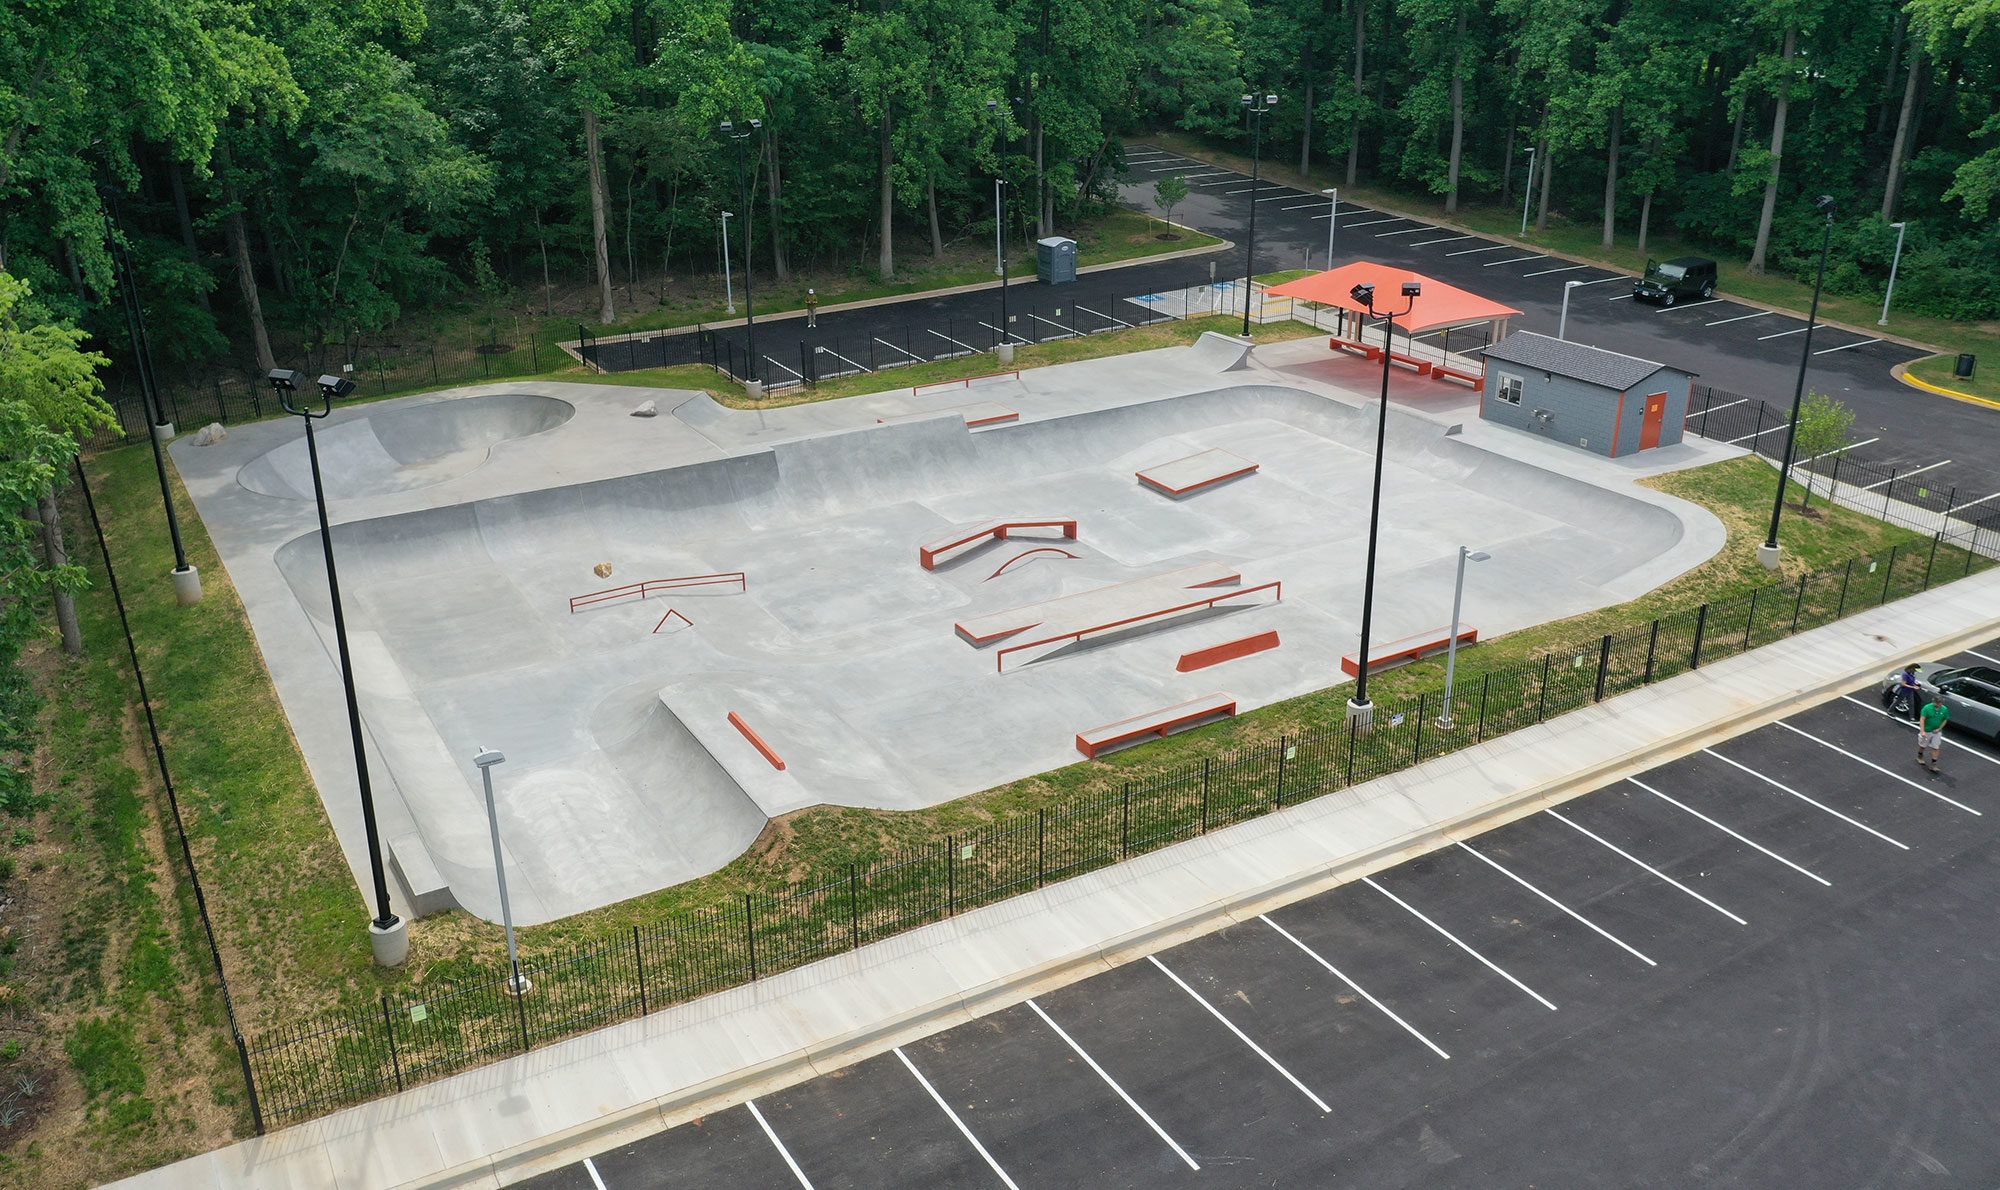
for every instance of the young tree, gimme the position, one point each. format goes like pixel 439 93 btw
pixel 1170 192
pixel 1825 427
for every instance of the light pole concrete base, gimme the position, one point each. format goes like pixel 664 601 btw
pixel 754 389
pixel 1006 354
pixel 187 584
pixel 1361 715
pixel 164 431
pixel 391 942
pixel 1770 555
pixel 518 985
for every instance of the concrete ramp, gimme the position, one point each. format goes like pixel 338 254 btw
pixel 1217 353
pixel 401 449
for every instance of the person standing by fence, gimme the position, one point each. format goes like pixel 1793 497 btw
pixel 812 307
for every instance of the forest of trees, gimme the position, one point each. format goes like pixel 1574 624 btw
pixel 304 172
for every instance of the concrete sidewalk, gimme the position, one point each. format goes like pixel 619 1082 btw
pixel 510 1120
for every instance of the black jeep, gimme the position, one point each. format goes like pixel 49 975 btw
pixel 1669 281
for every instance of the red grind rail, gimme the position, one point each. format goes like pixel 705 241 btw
pixel 1408 649
pixel 1227 651
pixel 965 383
pixel 1000 656
pixel 1044 549
pixel 671 613
pixel 579 602
pixel 756 741
pixel 927 555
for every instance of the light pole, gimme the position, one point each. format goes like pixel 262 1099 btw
pixel 1465 554
pixel 1003 348
pixel 517 983
pixel 1769 553
pixel 1332 217
pixel 1527 190
pixel 749 217
pixel 388 936
pixel 728 285
pixel 1256 105
pixel 1898 259
pixel 1360 711
pixel 1562 327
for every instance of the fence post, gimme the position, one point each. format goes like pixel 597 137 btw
pixel 1888 493
pixel 1930 563
pixel 639 961
pixel 1125 813
pixel 1278 791
pixel 1351 732
pixel 1204 795
pixel 434 362
pixel 853 913
pixel 950 875
pixel 1750 621
pixel 1041 845
pixel 809 373
pixel 1846 576
pixel 1603 666
pixel 1700 629
pixel 1652 644
pixel 1542 708
pixel 250 1081
pixel 1888 576
pixel 1833 482
pixel 1798 604
pixel 750 935
pixel 389 1031
pixel 520 1004
pixel 1754 438
pixel 1417 749
pixel 1485 685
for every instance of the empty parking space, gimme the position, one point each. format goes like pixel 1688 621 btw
pixel 1762 961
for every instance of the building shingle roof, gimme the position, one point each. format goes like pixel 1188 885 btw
pixel 1578 361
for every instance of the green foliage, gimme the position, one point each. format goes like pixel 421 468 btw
pixel 1825 427
pixel 1170 191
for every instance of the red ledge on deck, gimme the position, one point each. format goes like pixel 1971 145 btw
pixel 1227 651
pixel 1476 379
pixel 972 421
pixel 1340 344
pixel 1410 648
pixel 998 530
pixel 1159 723
pixel 756 741
pixel 1146 475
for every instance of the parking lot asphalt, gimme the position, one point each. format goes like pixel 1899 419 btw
pixel 1766 963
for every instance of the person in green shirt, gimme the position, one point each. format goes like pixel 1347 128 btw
pixel 1930 730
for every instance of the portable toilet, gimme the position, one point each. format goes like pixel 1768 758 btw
pixel 1055 260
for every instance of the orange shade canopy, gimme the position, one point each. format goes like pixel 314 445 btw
pixel 1438 305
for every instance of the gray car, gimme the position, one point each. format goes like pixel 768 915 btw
pixel 1972 692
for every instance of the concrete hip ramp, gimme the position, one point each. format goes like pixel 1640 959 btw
pixel 399 449
pixel 1217 353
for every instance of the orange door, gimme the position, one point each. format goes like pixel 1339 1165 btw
pixel 1656 412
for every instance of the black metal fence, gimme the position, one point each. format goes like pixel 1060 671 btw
pixel 340 1058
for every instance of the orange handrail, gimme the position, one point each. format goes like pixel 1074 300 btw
pixel 1000 656
pixel 643 589
pixel 965 383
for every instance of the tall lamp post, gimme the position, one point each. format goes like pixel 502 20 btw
pixel 517 983
pixel 1562 326
pixel 1465 554
pixel 1527 190
pixel 1896 260
pixel 1769 553
pixel 1332 217
pixel 187 579
pixel 388 935
pixel 1256 105
pixel 728 284
pixel 743 200
pixel 1360 711
pixel 1003 348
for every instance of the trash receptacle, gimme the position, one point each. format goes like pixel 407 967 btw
pixel 1055 260
pixel 1965 362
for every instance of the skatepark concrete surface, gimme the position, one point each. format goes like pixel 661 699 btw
pixel 464 522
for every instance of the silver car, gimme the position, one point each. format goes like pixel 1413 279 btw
pixel 1972 693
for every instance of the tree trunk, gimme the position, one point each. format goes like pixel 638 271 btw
pixel 1611 176
pixel 1457 115
pixel 1645 217
pixel 885 260
pixel 1757 253
pixel 58 555
pixel 593 150
pixel 1507 164
pixel 631 249
pixel 1044 203
pixel 778 262
pixel 1306 136
pixel 930 200
pixel 1889 76
pixel 246 273
pixel 548 290
pixel 1892 189
pixel 1360 49
pixel 187 223
pixel 1736 136
pixel 279 277
pixel 1548 171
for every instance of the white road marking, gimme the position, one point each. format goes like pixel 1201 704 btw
pixel 1741 318
pixel 1981 500
pixel 1797 330
pixel 1376 222
pixel 1214 173
pixel 1067 332
pixel 1490 964
pixel 1731 833
pixel 1315 205
pixel 1358 989
pixel 1004 335
pixel 1475 251
pixel 949 339
pixel 1113 1084
pixel 1846 346
pixel 777 1144
pixel 1906 723
pixel 946 1107
pixel 1108 318
pixel 769 360
pixel 1781 786
pixel 1224 182
pixel 1759 434
pixel 1568 268
pixel 1517 259
pixel 1404 232
pixel 1620 943
pixel 1623 297
pixel 919 359
pixel 1904 475
pixel 1725 405
pixel 1610 846
pixel 1850 446
pixel 590 1167
pixel 1696 304
pixel 1240 1034
pixel 1445 240
pixel 1878 768
pixel 1274 197
pixel 1602 280
pixel 1981 656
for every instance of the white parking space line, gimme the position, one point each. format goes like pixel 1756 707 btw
pixel 1568 268
pixel 1745 840
pixel 1725 405
pixel 1492 248
pixel 1837 450
pixel 1748 437
pixel 1976 652
pixel 1518 260
pixel 1878 768
pixel 1120 322
pixel 1844 347
pixel 777 1144
pixel 1408 231
pixel 1358 989
pixel 1616 850
pixel 1905 475
pixel 1276 197
pixel 1223 182
pixel 1449 240
pixel 1320 205
pixel 1068 333
pixel 946 1108
pixel 1113 1084
pixel 1602 280
pixel 1684 307
pixel 968 347
pixel 1377 222
pixel 1620 943
pixel 919 359
pixel 1784 788
pixel 1240 1034
pixel 1490 964
pixel 1741 318
pixel 1343 210
pixel 1797 330
pixel 590 1167
pixel 1215 173
pixel 1004 335
pixel 1906 723
pixel 1981 500
pixel 1623 297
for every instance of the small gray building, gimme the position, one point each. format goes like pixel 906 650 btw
pixel 1584 396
